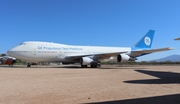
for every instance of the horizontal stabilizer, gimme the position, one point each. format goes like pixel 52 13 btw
pixel 138 53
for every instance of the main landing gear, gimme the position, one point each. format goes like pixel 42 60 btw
pixel 98 65
pixel 84 66
pixel 93 65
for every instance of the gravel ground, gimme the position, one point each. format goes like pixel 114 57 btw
pixel 72 84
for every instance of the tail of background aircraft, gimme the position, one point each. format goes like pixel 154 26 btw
pixel 146 41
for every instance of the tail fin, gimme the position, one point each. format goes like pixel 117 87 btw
pixel 146 41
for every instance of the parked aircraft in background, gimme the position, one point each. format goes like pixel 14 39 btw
pixel 35 51
pixel 7 60
pixel 177 39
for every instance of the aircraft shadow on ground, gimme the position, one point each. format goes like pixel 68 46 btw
pixel 165 99
pixel 163 78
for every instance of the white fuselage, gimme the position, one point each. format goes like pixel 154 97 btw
pixel 47 51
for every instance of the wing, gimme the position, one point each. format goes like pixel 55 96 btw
pixel 138 53
pixel 96 56
pixel 99 56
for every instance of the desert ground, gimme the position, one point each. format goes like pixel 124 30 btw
pixel 74 85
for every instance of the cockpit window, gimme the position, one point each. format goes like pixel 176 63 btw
pixel 23 44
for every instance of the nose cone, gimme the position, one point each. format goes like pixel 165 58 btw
pixel 13 52
pixel 9 52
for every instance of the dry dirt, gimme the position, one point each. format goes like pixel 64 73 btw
pixel 72 85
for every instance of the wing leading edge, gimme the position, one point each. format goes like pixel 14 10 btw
pixel 97 56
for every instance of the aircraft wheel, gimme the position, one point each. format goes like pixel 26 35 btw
pixel 84 66
pixel 94 66
pixel 99 64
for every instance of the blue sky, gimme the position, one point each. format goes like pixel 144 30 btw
pixel 90 22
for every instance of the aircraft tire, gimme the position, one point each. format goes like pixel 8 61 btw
pixel 84 66
pixel 94 66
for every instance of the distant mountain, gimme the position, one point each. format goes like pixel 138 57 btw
pixel 172 58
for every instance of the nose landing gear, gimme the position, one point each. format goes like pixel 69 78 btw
pixel 29 65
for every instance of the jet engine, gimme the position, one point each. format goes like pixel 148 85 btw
pixel 123 58
pixel 87 61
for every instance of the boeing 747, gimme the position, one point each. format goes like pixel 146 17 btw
pixel 35 51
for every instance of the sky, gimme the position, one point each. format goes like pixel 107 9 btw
pixel 119 23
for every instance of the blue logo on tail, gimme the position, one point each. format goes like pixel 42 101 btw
pixel 146 41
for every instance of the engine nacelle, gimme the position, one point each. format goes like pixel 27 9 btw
pixel 123 58
pixel 87 61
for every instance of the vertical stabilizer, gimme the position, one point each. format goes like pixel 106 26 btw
pixel 146 41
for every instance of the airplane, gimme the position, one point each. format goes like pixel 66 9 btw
pixel 8 60
pixel 177 39
pixel 37 51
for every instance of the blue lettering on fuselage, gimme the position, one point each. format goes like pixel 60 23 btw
pixel 75 48
pixel 72 48
pixel 65 48
pixel 51 48
pixel 39 47
pixel 48 48
pixel 58 48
